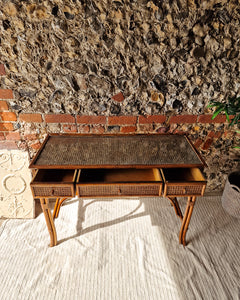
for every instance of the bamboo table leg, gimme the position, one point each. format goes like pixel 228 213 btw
pixel 49 221
pixel 55 211
pixel 58 205
pixel 186 219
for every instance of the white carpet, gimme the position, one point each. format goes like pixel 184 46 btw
pixel 122 249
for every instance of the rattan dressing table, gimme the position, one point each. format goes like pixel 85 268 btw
pixel 117 166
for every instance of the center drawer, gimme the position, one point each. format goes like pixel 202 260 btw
pixel 53 183
pixel 183 182
pixel 118 182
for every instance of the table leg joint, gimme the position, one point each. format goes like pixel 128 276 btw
pixel 49 221
pixel 186 219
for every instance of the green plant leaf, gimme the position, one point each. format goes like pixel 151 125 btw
pixel 231 107
pixel 217 112
pixel 227 115
pixel 214 103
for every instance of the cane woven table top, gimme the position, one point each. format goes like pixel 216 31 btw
pixel 81 151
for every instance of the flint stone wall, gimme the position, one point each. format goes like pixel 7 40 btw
pixel 162 56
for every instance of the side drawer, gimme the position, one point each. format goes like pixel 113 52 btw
pixel 119 182
pixel 183 182
pixel 53 183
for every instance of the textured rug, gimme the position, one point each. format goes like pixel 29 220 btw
pixel 122 249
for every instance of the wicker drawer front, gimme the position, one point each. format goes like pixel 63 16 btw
pixel 177 190
pixel 53 183
pixel 52 191
pixel 118 190
pixel 183 182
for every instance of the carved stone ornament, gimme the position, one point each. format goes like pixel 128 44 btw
pixel 16 199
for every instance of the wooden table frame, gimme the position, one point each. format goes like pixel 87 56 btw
pixel 49 216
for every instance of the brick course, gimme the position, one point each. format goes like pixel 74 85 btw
pixel 3 105
pixel 13 136
pixel 208 119
pixel 181 119
pixel 207 144
pixel 122 120
pixel 6 94
pixel 128 129
pixel 59 118
pixel 8 145
pixel 151 119
pixel 91 120
pixel 6 127
pixel 198 143
pixel 8 116
pixel 35 118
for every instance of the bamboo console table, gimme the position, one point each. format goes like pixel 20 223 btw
pixel 117 166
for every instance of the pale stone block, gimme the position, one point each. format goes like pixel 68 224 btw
pixel 16 200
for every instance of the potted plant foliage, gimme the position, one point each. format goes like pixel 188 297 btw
pixel 231 192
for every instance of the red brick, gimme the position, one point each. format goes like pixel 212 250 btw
pixel 218 134
pixel 207 144
pixel 213 134
pixel 198 143
pixel 182 119
pixel 8 145
pixel 208 119
pixel 2 136
pixel 122 120
pixel 118 97
pixel 6 127
pixel 91 120
pixel 8 116
pixel 36 145
pixel 13 136
pixel 6 94
pixel 128 129
pixel 98 129
pixel 3 105
pixel 31 118
pixel 69 128
pixel 59 118
pixel 84 129
pixel 151 119
pixel 2 70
